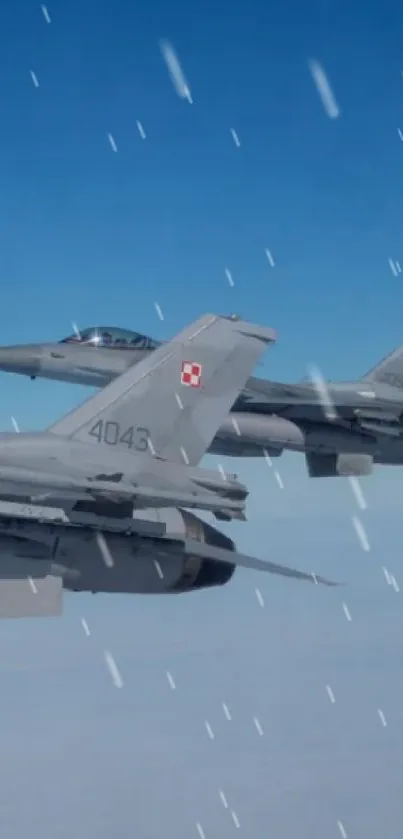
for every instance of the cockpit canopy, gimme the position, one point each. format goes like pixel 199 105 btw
pixel 112 337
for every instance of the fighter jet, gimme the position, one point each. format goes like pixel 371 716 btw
pixel 108 481
pixel 343 428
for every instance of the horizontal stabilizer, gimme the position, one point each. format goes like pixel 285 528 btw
pixel 234 558
pixel 24 594
pixel 338 465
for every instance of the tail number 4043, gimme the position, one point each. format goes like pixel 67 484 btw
pixel 111 433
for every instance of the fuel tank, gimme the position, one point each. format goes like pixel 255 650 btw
pixel 261 431
pixel 244 430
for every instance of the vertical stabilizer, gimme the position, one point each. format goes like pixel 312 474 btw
pixel 172 403
pixel 389 371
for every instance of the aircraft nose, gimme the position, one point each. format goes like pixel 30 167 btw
pixel 22 358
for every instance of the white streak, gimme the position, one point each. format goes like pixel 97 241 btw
pixel 150 446
pixel 158 569
pixel 342 829
pixel 32 585
pixel 175 71
pixel 223 799
pixel 15 425
pixel 112 142
pixel 367 394
pixel 394 583
pixel 331 694
pixel 235 818
pixel 382 717
pixel 235 138
pixel 258 726
pixel 34 78
pixel 236 426
pixel 399 270
pixel 229 277
pixel 184 455
pixel 221 471
pixel 400 134
pixel 267 457
pixel 140 129
pixel 159 311
pixel 323 393
pixel 172 684
pixel 200 831
pixel 104 549
pixel 96 339
pixel 269 257
pixel 85 627
pixel 259 597
pixel 360 531
pixel 76 330
pixel 179 401
pixel 357 490
pixel 388 576
pixel 346 612
pixel 325 91
pixel 209 730
pixel 45 14
pixel 113 669
pixel 392 267
pixel 226 711
pixel 279 479
pixel 314 578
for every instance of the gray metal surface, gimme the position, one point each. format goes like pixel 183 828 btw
pixel 267 416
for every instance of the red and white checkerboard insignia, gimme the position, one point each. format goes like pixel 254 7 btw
pixel 191 373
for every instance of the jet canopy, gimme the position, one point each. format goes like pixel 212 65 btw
pixel 112 337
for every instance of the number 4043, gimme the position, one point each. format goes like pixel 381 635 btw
pixel 112 434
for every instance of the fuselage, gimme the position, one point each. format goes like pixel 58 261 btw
pixel 40 462
pixel 268 417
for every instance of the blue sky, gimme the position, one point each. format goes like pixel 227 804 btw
pixel 97 237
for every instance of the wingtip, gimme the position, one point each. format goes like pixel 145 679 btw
pixel 316 580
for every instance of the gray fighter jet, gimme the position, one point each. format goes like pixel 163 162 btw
pixel 108 480
pixel 343 428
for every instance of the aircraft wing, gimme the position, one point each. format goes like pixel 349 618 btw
pixel 149 497
pixel 42 485
pixel 235 558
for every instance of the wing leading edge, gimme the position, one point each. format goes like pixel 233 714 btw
pixel 244 561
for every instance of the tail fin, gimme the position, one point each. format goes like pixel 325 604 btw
pixel 389 371
pixel 172 403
